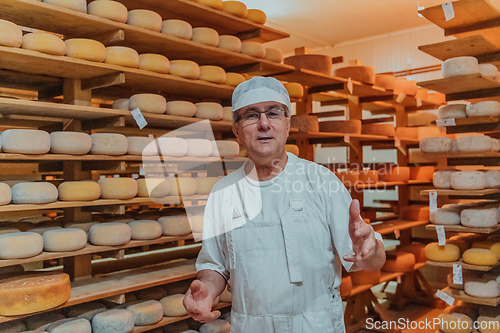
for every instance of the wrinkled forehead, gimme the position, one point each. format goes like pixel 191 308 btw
pixel 263 106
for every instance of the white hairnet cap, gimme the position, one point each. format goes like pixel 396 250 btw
pixel 260 89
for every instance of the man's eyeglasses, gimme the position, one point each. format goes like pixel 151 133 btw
pixel 253 117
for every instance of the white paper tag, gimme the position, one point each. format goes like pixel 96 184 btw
pixel 135 176
pixel 398 279
pixel 350 86
pixel 397 233
pixel 397 142
pixel 141 172
pixel 347 138
pixel 449 13
pixel 102 176
pixel 457 274
pixel 116 176
pixel 445 122
pixel 441 235
pixel 445 297
pixel 433 202
pixel 419 102
pixel 400 98
pixel 139 118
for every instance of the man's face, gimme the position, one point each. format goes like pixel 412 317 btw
pixel 265 137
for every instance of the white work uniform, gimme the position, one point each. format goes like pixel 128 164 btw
pixel 279 244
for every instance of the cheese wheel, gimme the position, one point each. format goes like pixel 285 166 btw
pixel 145 229
pixel 404 262
pixel 394 174
pixel 42 230
pixel 254 49
pixel 227 114
pixel 305 123
pixel 33 292
pixel 185 68
pixel 5 194
pixel 459 66
pixel 416 213
pixel 79 191
pixel 440 144
pixel 449 280
pixel 172 306
pixel 485 108
pixel 452 111
pixel 406 87
pixel 85 226
pixel 85 310
pixel 12 327
pixel 234 79
pixel 209 110
pixel 345 286
pixel 172 146
pixel 122 56
pixel 368 176
pixel 40 322
pixel 214 74
pixel 113 321
pixel 196 222
pixel 180 108
pixel 295 90
pixel 187 185
pixel 364 74
pixel 20 245
pixel 142 146
pixel 219 326
pixel 481 257
pixel 199 147
pixel 257 16
pixel 154 293
pixel 348 178
pixel 422 173
pixel 72 143
pixel 488 324
pixel 292 149
pixel 274 55
pixel 341 126
pixel 378 129
pixel 488 70
pixel 44 42
pixel 175 225
pixel 475 143
pixel 151 103
pixel 146 19
pixel 64 240
pixel 73 325
pixel 479 217
pixel 444 253
pixel 236 8
pixel 386 81
pixel 109 143
pixel 110 233
pixel 482 288
pixel 454 323
pixel 118 188
pixel 34 193
pixel 217 4
pixel 493 179
pixel 204 185
pixel 154 63
pixel 489 245
pixel 146 313
pixel 86 49
pixel 207 36
pixel 417 249
pixel 78 5
pixel 225 148
pixel 361 278
pixel 122 103
pixel 10 34
pixel 442 179
pixel 468 180
pixel 496 145
pixel 177 28
pixel 25 141
pixel 229 42
pixel 446 216
pixel 153 187
pixel 108 9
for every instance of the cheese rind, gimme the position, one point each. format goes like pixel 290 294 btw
pixel 274 55
pixel 109 143
pixel 153 187
pixel 71 143
pixel 111 10
pixel 146 313
pixel 444 253
pixel 295 90
pixel 175 225
pixel 10 34
pixel 493 179
pixel 481 257
pixel 199 147
pixel 154 63
pixel 459 66
pixel 180 108
pixel 122 56
pixel 44 42
pixel 480 217
pixel 86 49
pixel 234 79
pixel 73 325
pixel 118 188
pixel 441 144
pixel 452 111
pixel 236 8
pixel 217 4
pixel 172 306
pixel 475 143
pixel 229 42
pixel 145 229
pixel 305 123
pixel 485 108
pixel 187 185
pixel 488 70
pixel 209 110
pixel 225 148
pixel 468 180
pixel 34 193
pixel 214 74
pixel 185 68
pixel 152 103
pixel 254 49
pixel 5 194
pixel 78 5
pixel 352 126
pixel 25 141
pixel 364 74
pixel 117 321
pixel 20 245
pixel 177 28
pixel 257 16
pixel 170 146
pixel 482 288
pixel 122 103
pixel 110 233
pixel 207 36
pixel 79 191
pixel 146 19
pixel 446 216
pixel 442 179
pixel 64 240
pixel 142 146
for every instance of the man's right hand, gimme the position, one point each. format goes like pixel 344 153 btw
pixel 198 302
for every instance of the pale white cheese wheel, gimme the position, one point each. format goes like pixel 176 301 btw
pixel 207 36
pixel 227 114
pixel 482 288
pixel 109 143
pixel 5 194
pixel 229 42
pixel 25 141
pixel 214 74
pixel 254 49
pixel 122 103
pixel 257 16
pixel 78 5
pixel 145 229
pixel 441 179
pixel 85 310
pixel 113 321
pixel 185 68
pixel 196 222
pixel 452 323
pixel 172 146
pixel 479 217
pixel 110 233
pixel 34 193
pixel 236 8
pixel 142 146
pixel 177 28
pixel 153 187
pixel 452 111
pixel 274 55
pixel 440 144
pixel 122 56
pixel 444 253
pixel 40 322
pixel 219 326
pixel 234 79
pixel 10 34
pixel 73 325
pixel 44 42
pixel 199 147
pixel 64 240
pixel 85 226
pixel 459 66
pixel 295 90
pixel 187 185
pixel 217 4
pixel 204 185
pixel 180 108
pixel 79 191
pixel 225 148
pixel 146 19
pixel 474 143
pixel 445 216
pixel 209 110
pixel 151 103
pixel 146 313
pixel 493 179
pixel 175 225
pixel 20 245
pixel 468 180
pixel 485 108
pixel 488 70
pixel 108 9
pixel 172 306
pixel 118 188
pixel 72 143
pixel 86 49
pixel 154 63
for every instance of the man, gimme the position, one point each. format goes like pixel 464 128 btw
pixel 278 229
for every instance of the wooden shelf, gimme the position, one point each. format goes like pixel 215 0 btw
pixel 461 228
pixel 469 193
pixel 475 46
pixel 461 263
pixel 460 84
pixel 323 137
pixel 388 227
pixel 460 295
pixel 311 78
pixel 379 185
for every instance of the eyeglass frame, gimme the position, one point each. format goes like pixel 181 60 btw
pixel 238 117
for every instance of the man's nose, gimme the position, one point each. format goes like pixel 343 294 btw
pixel 263 122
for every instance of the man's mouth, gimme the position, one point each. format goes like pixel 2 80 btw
pixel 265 138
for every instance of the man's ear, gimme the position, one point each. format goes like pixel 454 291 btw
pixel 236 132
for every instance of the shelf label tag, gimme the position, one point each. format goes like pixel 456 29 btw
pixel 347 138
pixel 141 172
pixel 445 297
pixel 445 122
pixel 135 176
pixel 398 279
pixel 449 13
pixel 350 86
pixel 401 98
pixel 397 233
pixel 441 235
pixel 419 102
pixel 457 274
pixel 433 202
pixel 397 142
pixel 139 118
pixel 116 175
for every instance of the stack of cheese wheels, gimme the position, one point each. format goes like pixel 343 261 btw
pixel 185 68
pixel 153 187
pixel 234 79
pixel 229 42
pixel 64 240
pixel 109 143
pixel 110 233
pixel 205 184
pixel 295 90
pixel 348 178
pixel 5 194
pixel 181 108
pixel 493 179
pixel 108 9
pixel 86 49
pixel 20 245
pixel 122 56
pixel 480 217
pixel 236 8
pixel 170 146
pixel 154 63
pixel 152 103
pixel 145 229
pixel 386 81
pixel 115 320
pixel 424 173
pixel 177 28
pixel 78 5
pixel 305 123
pixel 341 126
pixel 378 129
pixel 480 257
pixel 146 19
pixel 10 34
pixel 225 148
pixel 154 293
pixel 199 147
pixel 468 180
pixel 394 174
pixel 79 191
pixel 254 49
pixel 85 310
pixel 217 4
pixel 274 55
pixel 475 143
pixel 482 288
pixel 417 249
pixel 34 193
pixel 443 253
pixel 441 144
pixel 364 74
pixel 452 111
pixel 459 66
pixel 138 145
pixel 25 141
pixel 441 179
pixel 187 186
pixel 449 215
pixel 214 74
pixel 294 149
pixel 361 278
pixel 118 188
pixel 400 262
pixel 72 143
pixel 70 325
pixel 146 313
pixel 257 16
pixel 172 306
pixel 405 87
pixel 368 176
pixel 207 36
pixel 227 113
pixel 454 323
pixel 485 108
pixel 416 213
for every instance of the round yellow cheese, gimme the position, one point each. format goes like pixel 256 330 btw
pixel 225 148
pixel 145 229
pixel 122 56
pixel 116 320
pixel 10 34
pixel 154 63
pixel 180 108
pixel 295 90
pixel 122 103
pixel 34 193
pixel 257 16
pixel 177 28
pixel 64 240
pixel 207 36
pixel 455 323
pixel 234 79
pixel 108 9
pixel 209 110
pixel 151 103
pixel 5 194
pixel 87 49
pixel 205 184
pixel 146 313
pixel 20 245
pixel 445 253
pixel 199 147
pixel 480 257
pixel 274 55
pixel 217 4
pixel 78 5
pixel 227 113
pixel 44 42
pixel 72 143
pixel 79 191
pixel 110 233
pixel 294 149
pixel 153 187
pixel 229 42
pixel 118 188
pixel 214 74
pixel 25 141
pixel 146 19
pixel 109 144
pixel 142 146
pixel 254 49
pixel 490 245
pixel 236 8
pixel 187 185
pixel 172 306
pixel 172 146
pixel 175 225
pixel 185 68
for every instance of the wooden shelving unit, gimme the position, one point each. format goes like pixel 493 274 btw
pixel 461 228
pixel 460 295
pixel 461 263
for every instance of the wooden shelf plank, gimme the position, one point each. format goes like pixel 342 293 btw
pixel 460 295
pixel 325 135
pixel 461 228
pixel 468 46
pixel 475 120
pixel 459 155
pixel 464 265
pixel 380 185
pixel 460 84
pixel 470 193
pixel 310 78
pixel 388 227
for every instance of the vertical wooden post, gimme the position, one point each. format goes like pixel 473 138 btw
pixel 355 149
pixel 73 93
pixel 303 108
